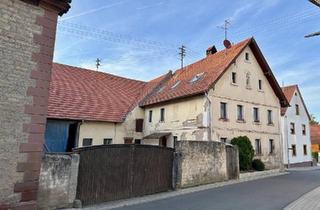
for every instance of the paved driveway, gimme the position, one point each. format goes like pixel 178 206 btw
pixel 270 193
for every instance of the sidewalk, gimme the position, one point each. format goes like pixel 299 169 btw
pixel 310 168
pixel 309 201
pixel 149 198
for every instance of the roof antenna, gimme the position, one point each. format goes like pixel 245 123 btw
pixel 225 27
pixel 98 63
pixel 182 54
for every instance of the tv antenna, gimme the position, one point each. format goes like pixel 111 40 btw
pixel 225 27
pixel 98 63
pixel 182 54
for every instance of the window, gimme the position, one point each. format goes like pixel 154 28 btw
pixel 224 140
pixel 270 120
pixel 247 56
pixel 162 112
pixel 137 141
pixel 294 150
pixel 305 152
pixel 150 116
pixel 223 110
pixel 107 141
pixel 128 140
pixel 256 114
pixel 234 77
pixel 292 128
pixel 260 84
pixel 297 110
pixel 196 78
pixel 271 146
pixel 303 129
pixel 240 112
pixel 139 125
pixel 258 146
pixel 87 142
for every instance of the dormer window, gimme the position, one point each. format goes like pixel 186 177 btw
pixel 175 85
pixel 196 77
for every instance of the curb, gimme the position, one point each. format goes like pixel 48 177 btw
pixel 165 195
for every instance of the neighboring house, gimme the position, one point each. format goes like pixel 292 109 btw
pixel 315 138
pixel 227 94
pixel 296 130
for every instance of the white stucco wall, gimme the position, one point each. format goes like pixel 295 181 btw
pixel 298 138
pixel 248 97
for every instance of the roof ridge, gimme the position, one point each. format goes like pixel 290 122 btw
pixel 98 72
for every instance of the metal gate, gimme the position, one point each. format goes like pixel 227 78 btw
pixel 113 172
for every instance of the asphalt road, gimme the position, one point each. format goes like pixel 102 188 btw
pixel 270 193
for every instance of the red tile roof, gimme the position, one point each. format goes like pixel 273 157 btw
pixel 288 92
pixel 315 134
pixel 209 69
pixel 81 94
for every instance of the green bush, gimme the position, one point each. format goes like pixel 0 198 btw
pixel 246 152
pixel 315 155
pixel 258 165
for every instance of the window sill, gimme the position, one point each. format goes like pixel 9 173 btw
pixel 256 122
pixel 241 121
pixel 224 119
pixel 247 61
pixel 234 84
pixel 270 124
pixel 261 91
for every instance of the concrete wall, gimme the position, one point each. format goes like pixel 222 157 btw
pixel 298 138
pixel 27 37
pixel 249 97
pixel 58 181
pixel 200 162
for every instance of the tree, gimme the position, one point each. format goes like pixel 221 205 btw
pixel 246 152
pixel 313 120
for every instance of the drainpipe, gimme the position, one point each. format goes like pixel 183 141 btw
pixel 78 134
pixel 287 139
pixel 209 117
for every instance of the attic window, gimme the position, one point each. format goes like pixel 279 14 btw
pixel 175 85
pixel 247 56
pixel 196 77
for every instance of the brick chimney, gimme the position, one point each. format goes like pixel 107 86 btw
pixel 27 38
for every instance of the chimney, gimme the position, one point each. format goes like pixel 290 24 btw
pixel 211 50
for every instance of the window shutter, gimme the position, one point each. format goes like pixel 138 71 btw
pixel 139 125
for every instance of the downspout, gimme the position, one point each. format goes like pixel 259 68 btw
pixel 209 117
pixel 78 134
pixel 287 140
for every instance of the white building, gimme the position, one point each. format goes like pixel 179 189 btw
pixel 295 129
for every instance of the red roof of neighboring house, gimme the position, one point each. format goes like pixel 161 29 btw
pixel 209 70
pixel 288 91
pixel 81 94
pixel 315 134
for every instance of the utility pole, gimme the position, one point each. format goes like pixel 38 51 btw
pixel 182 54
pixel 98 63
pixel 225 27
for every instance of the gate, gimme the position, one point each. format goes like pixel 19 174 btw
pixel 112 172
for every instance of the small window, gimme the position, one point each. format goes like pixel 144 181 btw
pixel 107 141
pixel 139 125
pixel 304 130
pixel 256 117
pixel 270 120
pixel 234 77
pixel 258 146
pixel 196 77
pixel 240 112
pixel 297 110
pixel 137 141
pixel 305 152
pixel 223 110
pixel 271 146
pixel 150 116
pixel 260 84
pixel 292 128
pixel 247 55
pixel 87 142
pixel 224 140
pixel 175 85
pixel 294 150
pixel 162 113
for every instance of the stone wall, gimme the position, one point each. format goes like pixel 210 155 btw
pixel 201 162
pixel 27 37
pixel 58 181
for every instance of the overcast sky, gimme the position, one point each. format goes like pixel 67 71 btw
pixel 139 38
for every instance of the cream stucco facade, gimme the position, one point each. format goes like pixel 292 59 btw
pixel 199 118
